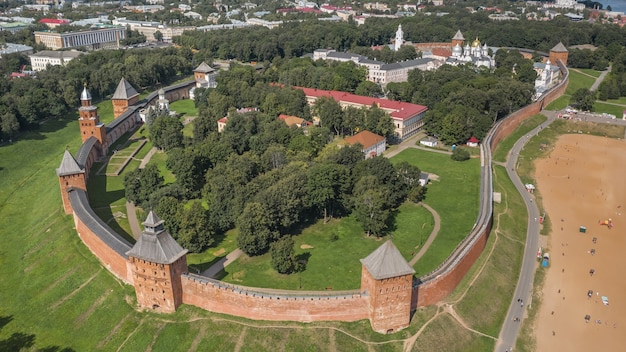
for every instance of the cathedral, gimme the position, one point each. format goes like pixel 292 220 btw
pixel 474 54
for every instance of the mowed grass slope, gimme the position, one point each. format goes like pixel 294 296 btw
pixel 333 264
pixel 455 196
pixel 56 295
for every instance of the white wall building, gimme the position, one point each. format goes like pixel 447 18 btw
pixel 39 61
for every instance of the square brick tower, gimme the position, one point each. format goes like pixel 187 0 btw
pixel 157 262
pixel 388 279
pixel 125 95
pixel 559 52
pixel 205 76
pixel 71 175
pixel 89 120
pixel 458 39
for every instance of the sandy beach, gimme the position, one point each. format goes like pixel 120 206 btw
pixel 581 185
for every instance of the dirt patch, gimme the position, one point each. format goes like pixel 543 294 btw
pixel 580 184
pixel 219 252
pixel 306 246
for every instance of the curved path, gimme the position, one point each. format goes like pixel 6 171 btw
pixel 523 290
pixel 431 237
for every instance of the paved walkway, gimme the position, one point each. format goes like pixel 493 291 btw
pixel 130 207
pixel 432 235
pixel 599 80
pixel 214 269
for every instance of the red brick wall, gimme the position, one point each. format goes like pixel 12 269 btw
pixel 158 286
pixel 114 262
pixel 435 290
pixel 389 301
pixel 67 182
pixel 119 106
pixel 262 306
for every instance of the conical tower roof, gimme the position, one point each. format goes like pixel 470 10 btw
pixel 386 262
pixel 559 48
pixel 69 166
pixel 458 36
pixel 204 68
pixel 155 244
pixel 124 90
pixel 85 95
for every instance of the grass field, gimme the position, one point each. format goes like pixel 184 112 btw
pixel 589 71
pixel 333 264
pixel 454 196
pixel 577 80
pixel 615 110
pixel 55 295
pixel 505 145
pixel 186 107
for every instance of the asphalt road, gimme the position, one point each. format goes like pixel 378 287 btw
pixel 517 309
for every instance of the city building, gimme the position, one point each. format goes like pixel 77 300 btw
pixel 10 48
pixel 105 38
pixel 407 118
pixel 548 76
pixel 40 60
pixel 371 143
pixel 13 27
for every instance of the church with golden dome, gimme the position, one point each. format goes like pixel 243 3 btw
pixel 475 53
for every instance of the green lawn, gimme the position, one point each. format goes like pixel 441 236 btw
pixel 186 107
pixel 621 100
pixel 333 264
pixel 617 111
pixel 222 246
pixel 589 71
pixel 455 196
pixel 560 103
pixel 505 145
pixel 159 158
pixel 577 81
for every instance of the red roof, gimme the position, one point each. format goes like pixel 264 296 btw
pixel 473 140
pixel 365 138
pixel 442 52
pixel 53 21
pixel 399 110
pixel 223 119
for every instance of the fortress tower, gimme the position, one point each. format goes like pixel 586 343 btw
pixel 71 175
pixel 125 95
pixel 559 52
pixel 205 76
pixel 388 279
pixel 156 262
pixel 89 120
pixel 458 39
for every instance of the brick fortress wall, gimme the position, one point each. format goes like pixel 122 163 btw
pixel 254 303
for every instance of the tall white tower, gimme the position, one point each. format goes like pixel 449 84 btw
pixel 399 39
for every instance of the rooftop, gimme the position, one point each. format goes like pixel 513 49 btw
pixel 387 262
pixel 155 244
pixel 398 109
pixel 124 90
pixel 365 138
pixel 69 166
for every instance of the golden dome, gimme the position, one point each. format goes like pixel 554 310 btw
pixel 476 43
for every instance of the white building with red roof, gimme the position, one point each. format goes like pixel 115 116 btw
pixel 372 143
pixel 407 118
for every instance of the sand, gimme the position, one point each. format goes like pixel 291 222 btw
pixel 581 183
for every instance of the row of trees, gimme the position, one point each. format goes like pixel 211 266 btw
pixel 27 101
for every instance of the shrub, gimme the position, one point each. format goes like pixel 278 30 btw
pixel 459 154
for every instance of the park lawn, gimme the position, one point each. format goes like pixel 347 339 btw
pixel 158 159
pixel 105 111
pixel 560 103
pixel 589 71
pixel 485 305
pixel 185 107
pixel 223 245
pixel 505 145
pixel 455 196
pixel 446 331
pixel 188 130
pixel 621 100
pixel 333 264
pixel 615 110
pixel 577 81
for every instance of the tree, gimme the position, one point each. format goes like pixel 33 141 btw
pixel 584 99
pixel 283 255
pixel 169 209
pixel 255 234
pixel 190 167
pixel 166 133
pixel 158 36
pixel 371 212
pixel 141 183
pixel 195 234
pixel 326 185
pixel 330 113
pixel 460 154
pixel 9 124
